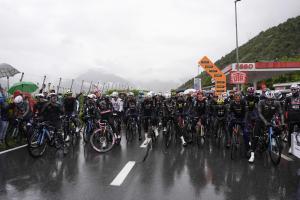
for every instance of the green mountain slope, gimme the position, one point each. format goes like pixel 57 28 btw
pixel 279 43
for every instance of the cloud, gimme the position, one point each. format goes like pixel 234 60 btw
pixel 135 39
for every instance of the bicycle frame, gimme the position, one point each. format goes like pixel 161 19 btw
pixel 45 133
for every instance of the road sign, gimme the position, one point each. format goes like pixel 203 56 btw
pixel 238 77
pixel 216 74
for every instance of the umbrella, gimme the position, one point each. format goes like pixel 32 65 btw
pixel 24 87
pixel 7 70
pixel 188 91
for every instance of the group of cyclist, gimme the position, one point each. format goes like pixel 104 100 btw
pixel 150 111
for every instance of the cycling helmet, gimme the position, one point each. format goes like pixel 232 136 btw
pixel 18 99
pixel 40 95
pixel 52 94
pixel 167 95
pixel 181 94
pixel 231 91
pixel 69 92
pixel 91 96
pixel 294 88
pixel 251 90
pixel 159 94
pixel 277 95
pixel 130 94
pixel 149 95
pixel 114 94
pixel 220 101
pixel 238 94
pixel 269 95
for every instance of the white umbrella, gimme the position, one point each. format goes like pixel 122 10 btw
pixel 188 91
pixel 7 71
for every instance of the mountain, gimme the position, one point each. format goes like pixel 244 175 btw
pixel 115 81
pixel 279 43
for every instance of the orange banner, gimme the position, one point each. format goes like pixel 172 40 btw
pixel 215 73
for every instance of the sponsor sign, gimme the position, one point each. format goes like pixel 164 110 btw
pixel 244 67
pixel 238 78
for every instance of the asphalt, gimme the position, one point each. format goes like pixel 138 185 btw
pixel 176 173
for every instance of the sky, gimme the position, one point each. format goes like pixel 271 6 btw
pixel 144 41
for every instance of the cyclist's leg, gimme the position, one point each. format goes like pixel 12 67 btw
pixel 230 128
pixel 146 126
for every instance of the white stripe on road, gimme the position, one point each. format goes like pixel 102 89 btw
pixel 3 152
pixel 123 174
pixel 145 143
pixel 287 158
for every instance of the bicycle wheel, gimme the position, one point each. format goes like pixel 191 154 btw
pixel 13 137
pixel 86 133
pixel 37 144
pixel 275 149
pixel 102 141
pixel 219 136
pixel 58 140
pixel 167 138
pixel 129 132
pixel 234 147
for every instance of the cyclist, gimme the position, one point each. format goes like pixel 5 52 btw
pixel 40 102
pixel 200 109
pixel 52 111
pixel 22 109
pixel 267 108
pixel 117 105
pixel 180 111
pixel 237 114
pixel 292 107
pixel 168 110
pixel 132 111
pixel 71 107
pixel 90 109
pixel 147 112
pixel 230 98
pixel 220 114
pixel 106 110
pixel 252 114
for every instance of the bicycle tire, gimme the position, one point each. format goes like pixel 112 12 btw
pixel 100 135
pixel 37 150
pixel 129 133
pixel 276 149
pixel 13 138
pixel 233 148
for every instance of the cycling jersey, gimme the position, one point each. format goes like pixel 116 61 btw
pixel 267 111
pixel 200 107
pixel 69 104
pixel 292 106
pixel 251 102
pixel 147 107
pixel 238 110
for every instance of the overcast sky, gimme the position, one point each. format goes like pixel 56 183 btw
pixel 136 39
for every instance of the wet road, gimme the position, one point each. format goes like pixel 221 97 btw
pixel 178 173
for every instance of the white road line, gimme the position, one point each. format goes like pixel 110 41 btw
pixel 286 157
pixel 6 151
pixel 145 143
pixel 123 174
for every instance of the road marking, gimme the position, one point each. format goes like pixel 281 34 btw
pixel 8 150
pixel 145 143
pixel 287 158
pixel 123 174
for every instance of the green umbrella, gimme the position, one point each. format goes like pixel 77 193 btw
pixel 24 87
